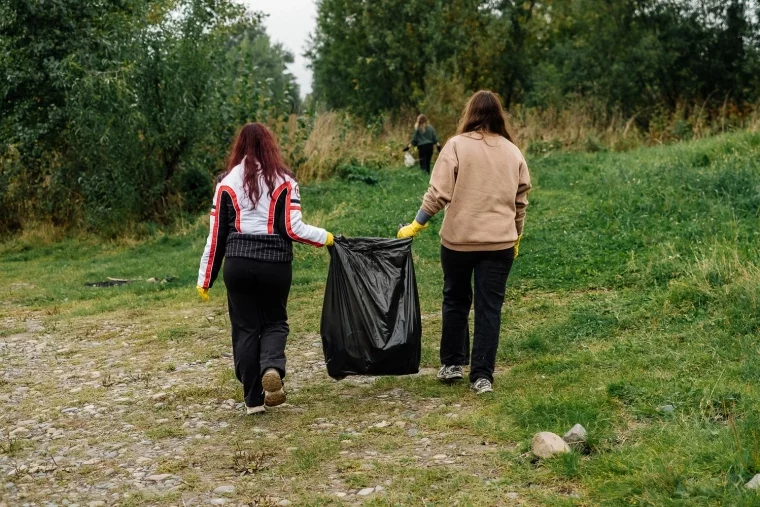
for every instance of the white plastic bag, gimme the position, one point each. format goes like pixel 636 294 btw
pixel 408 159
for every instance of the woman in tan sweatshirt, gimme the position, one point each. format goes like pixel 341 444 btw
pixel 482 181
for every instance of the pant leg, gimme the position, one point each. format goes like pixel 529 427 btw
pixel 457 301
pixel 276 279
pixel 426 154
pixel 246 319
pixel 491 273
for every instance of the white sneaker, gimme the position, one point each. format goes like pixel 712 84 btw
pixel 255 410
pixel 274 392
pixel 450 373
pixel 482 385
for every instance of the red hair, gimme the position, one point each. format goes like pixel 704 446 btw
pixel 262 155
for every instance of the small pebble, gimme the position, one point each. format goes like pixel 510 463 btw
pixel 226 489
pixel 158 478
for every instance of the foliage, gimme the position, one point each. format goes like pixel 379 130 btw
pixel 116 112
pixel 119 113
pixel 629 55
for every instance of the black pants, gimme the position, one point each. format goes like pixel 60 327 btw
pixel 426 154
pixel 491 271
pixel 257 297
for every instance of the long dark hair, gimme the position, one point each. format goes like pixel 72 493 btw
pixel 262 155
pixel 484 114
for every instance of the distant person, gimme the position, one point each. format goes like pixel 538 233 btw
pixel 424 138
pixel 255 218
pixel 482 181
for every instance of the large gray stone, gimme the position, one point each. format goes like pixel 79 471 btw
pixel 546 444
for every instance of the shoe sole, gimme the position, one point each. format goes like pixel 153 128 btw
pixel 274 394
pixel 484 391
pixel 450 379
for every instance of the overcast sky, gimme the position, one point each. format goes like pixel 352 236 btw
pixel 290 22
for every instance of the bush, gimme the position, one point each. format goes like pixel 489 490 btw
pixel 139 108
pixel 353 172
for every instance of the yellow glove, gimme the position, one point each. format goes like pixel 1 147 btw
pixel 330 239
pixel 203 293
pixel 517 246
pixel 411 230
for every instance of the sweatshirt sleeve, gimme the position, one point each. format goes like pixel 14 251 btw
pixel 521 200
pixel 297 230
pixel 435 137
pixel 213 254
pixel 415 140
pixel 442 181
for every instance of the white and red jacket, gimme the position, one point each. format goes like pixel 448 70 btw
pixel 264 232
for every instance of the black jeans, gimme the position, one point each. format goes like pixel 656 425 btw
pixel 491 271
pixel 426 154
pixel 257 298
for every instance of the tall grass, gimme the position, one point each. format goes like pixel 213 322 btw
pixel 318 145
pixel 322 143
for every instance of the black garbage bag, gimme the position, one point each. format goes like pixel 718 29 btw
pixel 371 315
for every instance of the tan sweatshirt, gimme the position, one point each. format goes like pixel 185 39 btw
pixel 482 181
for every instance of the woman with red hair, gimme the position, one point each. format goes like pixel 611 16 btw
pixel 255 217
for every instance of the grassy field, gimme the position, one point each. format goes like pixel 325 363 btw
pixel 637 287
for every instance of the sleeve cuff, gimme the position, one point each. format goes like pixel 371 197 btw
pixel 422 217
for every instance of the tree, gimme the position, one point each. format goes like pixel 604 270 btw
pixel 623 55
pixel 118 112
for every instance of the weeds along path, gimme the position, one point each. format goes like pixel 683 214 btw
pixel 637 288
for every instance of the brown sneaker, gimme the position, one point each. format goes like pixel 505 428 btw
pixel 274 393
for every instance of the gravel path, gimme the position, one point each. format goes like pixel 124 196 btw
pixel 103 412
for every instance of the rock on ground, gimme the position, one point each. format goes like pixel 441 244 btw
pixel 754 483
pixel 576 436
pixel 547 444
pixel 158 478
pixel 225 490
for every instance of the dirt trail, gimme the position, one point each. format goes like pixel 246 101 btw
pixel 94 413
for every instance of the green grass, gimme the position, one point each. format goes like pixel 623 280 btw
pixel 638 285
